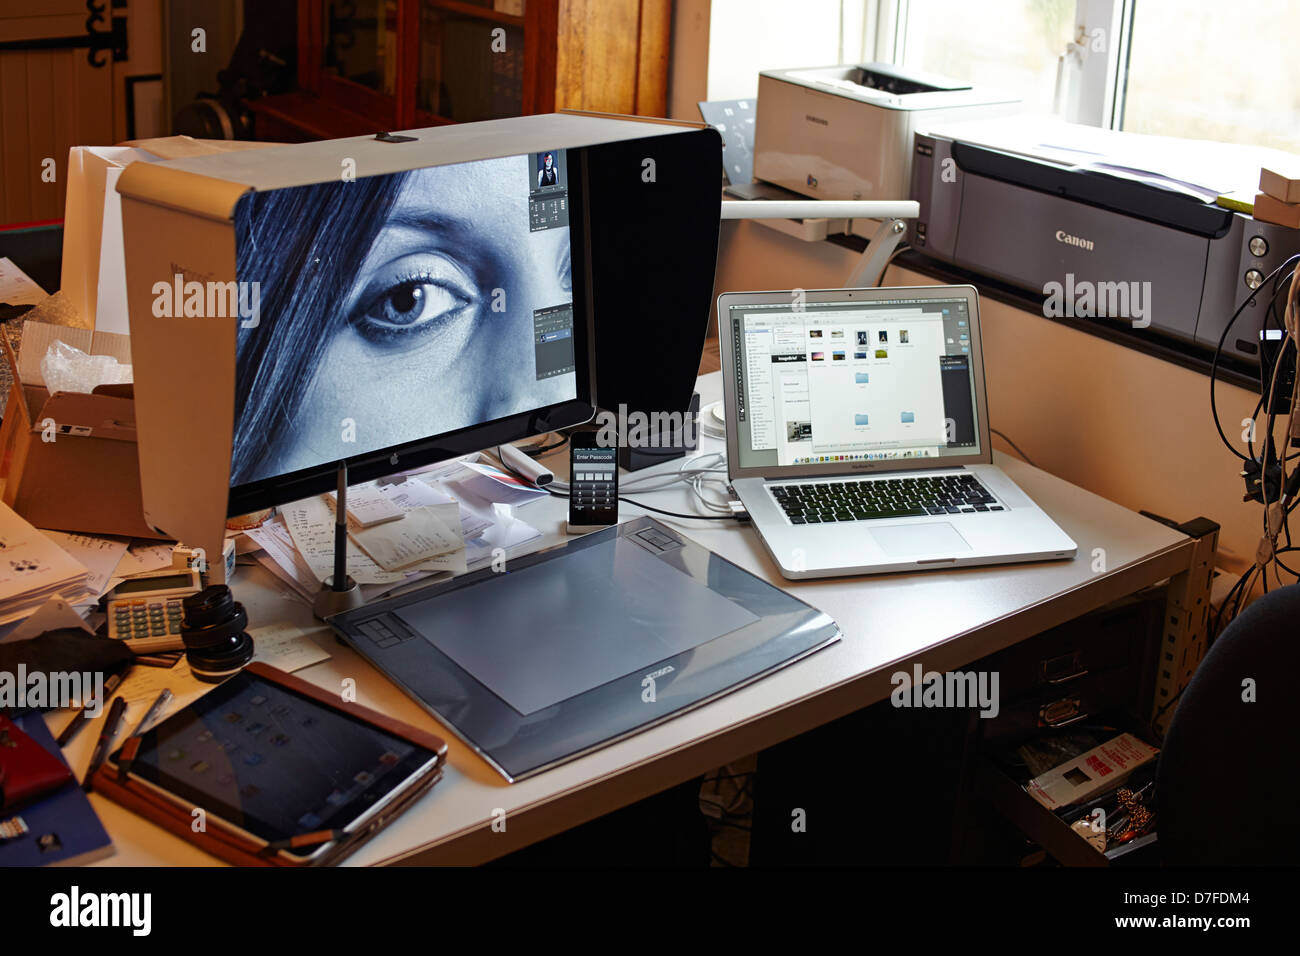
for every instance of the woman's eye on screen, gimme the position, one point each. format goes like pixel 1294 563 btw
pixel 398 303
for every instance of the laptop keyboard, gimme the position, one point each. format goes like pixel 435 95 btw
pixel 957 493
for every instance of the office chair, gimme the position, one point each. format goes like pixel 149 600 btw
pixel 1227 778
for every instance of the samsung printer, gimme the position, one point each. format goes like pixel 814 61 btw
pixel 1102 224
pixel 845 132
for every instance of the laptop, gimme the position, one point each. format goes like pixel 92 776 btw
pixel 858 434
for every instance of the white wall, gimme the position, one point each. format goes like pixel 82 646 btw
pixel 748 36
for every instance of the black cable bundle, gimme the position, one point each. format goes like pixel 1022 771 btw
pixel 1265 471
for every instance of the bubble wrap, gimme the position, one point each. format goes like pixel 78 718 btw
pixel 68 369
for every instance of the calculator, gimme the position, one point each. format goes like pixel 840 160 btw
pixel 142 617
pixel 150 606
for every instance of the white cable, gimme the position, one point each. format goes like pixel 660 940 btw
pixel 698 477
pixel 680 474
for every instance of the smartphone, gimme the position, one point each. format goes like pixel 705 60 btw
pixel 593 484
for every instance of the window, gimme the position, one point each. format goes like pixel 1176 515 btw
pixel 1004 44
pixel 1203 70
pixel 1189 68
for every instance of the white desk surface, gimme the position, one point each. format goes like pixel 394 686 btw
pixel 943 619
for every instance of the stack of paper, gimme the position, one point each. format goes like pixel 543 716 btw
pixel 102 557
pixel 111 560
pixel 404 529
pixel 105 562
pixel 33 569
pixel 1198 168
pixel 144 557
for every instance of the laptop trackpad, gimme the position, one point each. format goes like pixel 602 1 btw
pixel 905 539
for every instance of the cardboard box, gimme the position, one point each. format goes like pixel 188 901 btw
pixel 1090 773
pixel 1281 183
pixel 93 275
pixel 1268 209
pixel 69 461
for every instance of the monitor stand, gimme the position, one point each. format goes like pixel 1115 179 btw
pixel 339 592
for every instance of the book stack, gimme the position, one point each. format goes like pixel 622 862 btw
pixel 59 829
pixel 1279 196
pixel 34 569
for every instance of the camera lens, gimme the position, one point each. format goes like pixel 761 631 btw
pixel 216 644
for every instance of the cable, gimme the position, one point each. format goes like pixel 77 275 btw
pixel 671 514
pixel 535 450
pixel 1016 447
pixel 674 514
pixel 694 471
pixel 1214 363
pixel 1268 466
pixel 1271 528
pixel 1250 435
pixel 890 261
pixel 1278 561
pixel 719 466
pixel 1155 719
pixel 1285 342
pixel 1223 605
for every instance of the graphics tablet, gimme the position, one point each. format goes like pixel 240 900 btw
pixel 576 646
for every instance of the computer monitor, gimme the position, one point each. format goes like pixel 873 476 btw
pixel 403 319
pixel 653 253
pixel 386 330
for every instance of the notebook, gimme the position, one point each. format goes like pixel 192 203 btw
pixel 62 829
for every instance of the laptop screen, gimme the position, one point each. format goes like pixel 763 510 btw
pixel 853 381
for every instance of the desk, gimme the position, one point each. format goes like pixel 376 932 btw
pixel 943 619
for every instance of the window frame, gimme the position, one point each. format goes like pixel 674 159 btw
pixel 1097 82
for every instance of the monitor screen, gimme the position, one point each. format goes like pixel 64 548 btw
pixel 854 381
pixel 394 308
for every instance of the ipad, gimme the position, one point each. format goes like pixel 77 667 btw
pixel 276 763
pixel 574 647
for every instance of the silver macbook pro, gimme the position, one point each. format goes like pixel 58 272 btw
pixel 858 434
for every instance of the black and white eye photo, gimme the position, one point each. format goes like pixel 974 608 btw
pixel 394 308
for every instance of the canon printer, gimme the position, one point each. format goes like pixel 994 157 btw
pixel 1101 239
